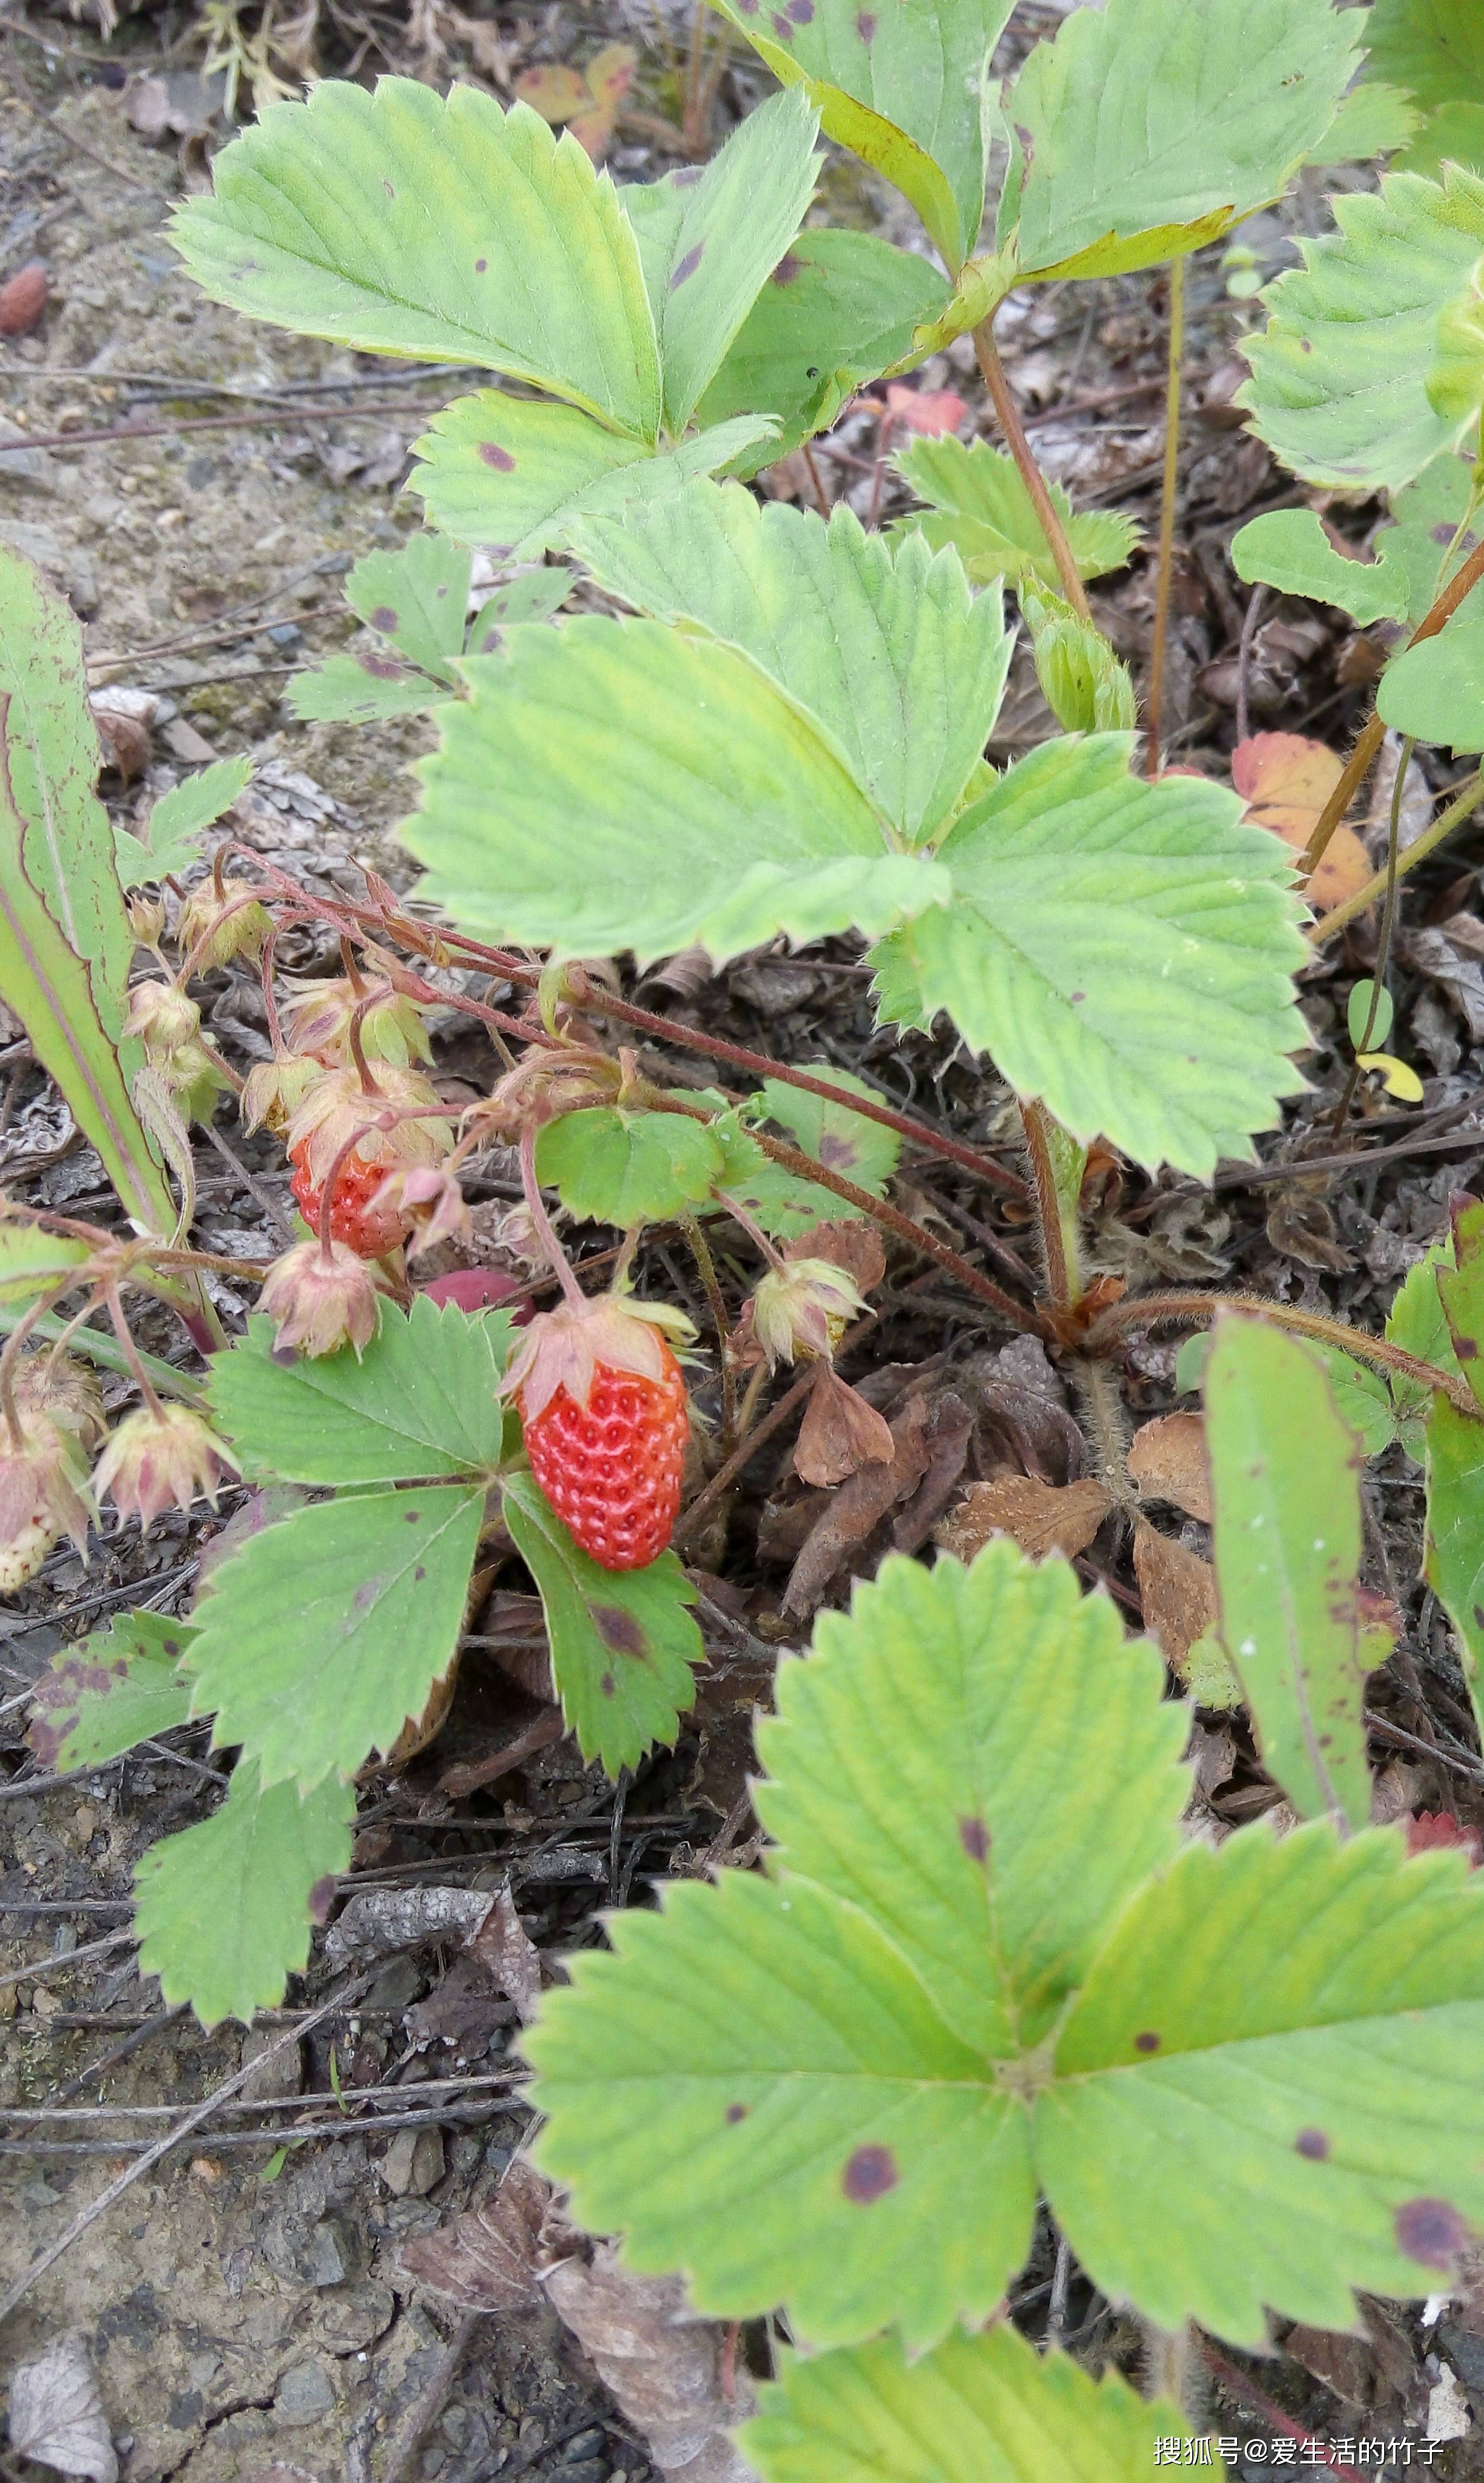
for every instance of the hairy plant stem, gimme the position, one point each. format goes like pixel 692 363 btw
pixel 991 370
pixel 1362 757
pixel 130 1353
pixel 1155 702
pixel 540 1223
pixel 1461 807
pixel 1383 945
pixel 1062 1281
pixel 1198 1310
pixel 793 1159
pixel 771 1256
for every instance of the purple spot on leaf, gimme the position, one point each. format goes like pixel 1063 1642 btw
pixel 838 1153
pixel 607 1685
pixel 1147 2043
pixel 386 186
pixel 865 25
pixel 480 265
pixel 322 1897
pixel 381 668
pixel 974 1838
pixel 870 2172
pixel 1313 2143
pixel 384 617
pixel 689 175
pixel 736 2112
pixel 492 454
pixel 1430 2231
pixel 686 267
pixel 618 1629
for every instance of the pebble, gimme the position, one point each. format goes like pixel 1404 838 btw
pixel 414 2162
pixel 305 2393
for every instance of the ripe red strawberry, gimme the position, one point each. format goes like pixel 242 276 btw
pixel 602 1407
pixel 369 1231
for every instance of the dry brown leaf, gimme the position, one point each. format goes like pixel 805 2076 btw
pixel 1178 1590
pixel 1042 1517
pixel 852 1242
pixel 487 2258
pixel 950 1428
pixel 1285 781
pixel 1168 1461
pixel 509 1955
pixel 857 1507
pixel 840 1433
pixel 57 2412
pixel 381 1922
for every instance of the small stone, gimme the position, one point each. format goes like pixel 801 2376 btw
pixel 582 2445
pixel 305 2394
pixel 414 2162
pixel 188 744
pixel 588 2469
pixel 275 2072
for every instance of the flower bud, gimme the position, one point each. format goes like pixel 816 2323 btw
pixel 803 1309
pixel 545 1084
pixel 147 920
pixel 53 1388
pixel 162 1017
pixel 233 924
pixel 162 1457
pixel 43 1466
pixel 321 1299
pixel 391 1028
pixel 431 1196
pixel 274 1090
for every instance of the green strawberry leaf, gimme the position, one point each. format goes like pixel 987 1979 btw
pixel 515 474
pixel 323 1636
pixel 440 229
pixel 985 2409
pixel 1151 126
pixel 1361 1398
pixel 780 1201
pixel 624 1643
pixel 839 308
pixel 31 1261
pixel 368 689
pixel 1454 134
pixel 1286 1543
pixel 1241 2076
pixel 1339 385
pixel 1426 515
pixel 123 1685
pixel 903 87
pixel 1435 691
pixel 1434 49
pixel 1418 1323
pixel 866 1151
pixel 1460 1283
pixel 627 1169
pixel 1373 120
pixel 614 785
pixel 981 506
pixel 709 239
pixel 1455 1531
pixel 224 1908
pixel 1288 549
pixel 171 841
pixel 900 664
pixel 416 598
pixel 419 1402
pixel 532 595
pixel 1082 682
pixel 66 947
pixel 1122 950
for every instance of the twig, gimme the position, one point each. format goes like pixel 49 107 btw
pixel 747 1449
pixel 1383 944
pixel 185 2128
pixel 1153 716
pixel 281 414
pixel 343 2125
pixel 1459 810
pixel 993 371
pixel 47 1967
pixel 449 2087
pixel 1250 620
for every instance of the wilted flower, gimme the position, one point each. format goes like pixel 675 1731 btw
pixel 146 918
pixel 272 1090
pixel 161 1456
pixel 431 1196
pixel 391 1028
pixel 162 1017
pixel 44 1495
pixel 545 1084
pixel 322 1298
pixel 230 921
pixel 336 1109
pixel 805 1308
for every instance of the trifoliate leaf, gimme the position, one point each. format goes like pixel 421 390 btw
pixel 825 2087
pixel 1434 49
pixel 1286 1542
pixel 614 785
pixel 783 2014
pixel 1455 1530
pixel 416 598
pixel 442 229
pixel 1122 950
pixel 624 1168
pixel 1426 517
pixel 123 1685
pixel 1313 2001
pixel 420 1403
pixel 368 689
pixel 985 2409
pixel 1435 691
pixel 864 1151
pixel 532 595
pixel 1339 385
pixel 1361 1398
pixel 900 663
pixel 171 841
pixel 839 308
pixel 1288 549
pixel 981 506
pixel 903 87
pixel 222 1910
pixel 1373 120
pixel 624 1643
pixel 1083 683
pixel 323 1634
pixel 708 241
pixel 1149 128
pixel 511 473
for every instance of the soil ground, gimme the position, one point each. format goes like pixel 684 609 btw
pixel 243 2303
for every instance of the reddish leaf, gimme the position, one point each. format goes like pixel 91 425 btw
pixel 1286 782
pixel 1433 1827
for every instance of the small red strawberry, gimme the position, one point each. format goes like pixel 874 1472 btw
pixel 603 1407
pixel 370 1231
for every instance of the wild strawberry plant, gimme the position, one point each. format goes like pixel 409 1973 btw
pixel 979 1964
